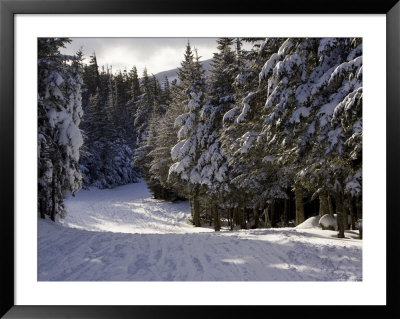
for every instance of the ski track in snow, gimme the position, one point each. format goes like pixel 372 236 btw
pixel 122 234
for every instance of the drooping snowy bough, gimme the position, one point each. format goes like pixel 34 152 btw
pixel 59 116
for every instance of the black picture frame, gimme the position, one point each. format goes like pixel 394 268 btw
pixel 8 8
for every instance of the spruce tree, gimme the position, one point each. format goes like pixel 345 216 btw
pixel 59 116
pixel 185 154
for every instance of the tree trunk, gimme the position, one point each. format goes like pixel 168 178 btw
pixel 242 218
pixel 231 211
pixel 41 209
pixel 196 211
pixel 298 191
pixel 191 206
pixel 217 221
pixel 359 207
pixel 266 222
pixel 53 197
pixel 346 212
pixel 273 213
pixel 346 217
pixel 206 214
pixel 352 216
pixel 237 215
pixel 323 204
pixel 331 211
pixel 340 214
pixel 209 212
pixel 228 210
pixel 286 212
pixel 255 213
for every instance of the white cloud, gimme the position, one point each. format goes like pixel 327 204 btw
pixel 157 54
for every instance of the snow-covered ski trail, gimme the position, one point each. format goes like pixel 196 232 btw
pixel 123 234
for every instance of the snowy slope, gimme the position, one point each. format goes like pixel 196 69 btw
pixel 123 235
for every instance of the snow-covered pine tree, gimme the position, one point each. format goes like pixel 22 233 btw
pixel 255 181
pixel 92 148
pixel 117 166
pixel 183 174
pixel 91 80
pixel 153 131
pixel 333 80
pixel 166 92
pixel 134 84
pixel 134 93
pixel 212 164
pixel 287 69
pixel 59 116
pixel 306 80
pixel 341 138
pixel 121 94
pixel 108 154
pixel 230 133
pixel 104 74
pixel 153 183
pixel 165 140
pixel 144 108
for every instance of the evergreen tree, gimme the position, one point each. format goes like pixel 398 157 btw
pixel 185 154
pixel 166 92
pixel 108 159
pixel 59 116
pixel 277 124
pixel 134 84
pixel 144 108
pixel 91 79
pixel 303 89
pixel 134 94
pixel 212 165
pixel 160 156
pixel 251 176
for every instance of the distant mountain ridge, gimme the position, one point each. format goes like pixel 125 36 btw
pixel 173 73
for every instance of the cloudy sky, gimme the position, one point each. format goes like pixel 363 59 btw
pixel 157 54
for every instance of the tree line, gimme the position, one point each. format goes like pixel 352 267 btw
pixel 273 134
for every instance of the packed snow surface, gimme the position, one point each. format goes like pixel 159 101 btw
pixel 122 234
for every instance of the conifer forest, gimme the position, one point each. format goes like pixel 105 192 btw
pixel 253 157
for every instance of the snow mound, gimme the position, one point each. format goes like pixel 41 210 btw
pixel 328 222
pixel 312 222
